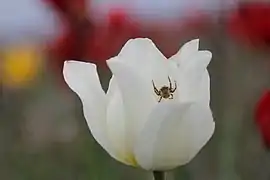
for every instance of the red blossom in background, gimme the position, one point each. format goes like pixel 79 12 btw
pixel 107 40
pixel 71 43
pixel 262 117
pixel 85 40
pixel 90 42
pixel 250 23
pixel 68 9
pixel 82 39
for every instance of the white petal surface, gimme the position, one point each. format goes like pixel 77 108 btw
pixel 143 55
pixel 193 78
pixel 83 79
pixel 183 56
pixel 113 87
pixel 204 89
pixel 137 93
pixel 174 134
pixel 116 124
pixel 116 127
pixel 192 73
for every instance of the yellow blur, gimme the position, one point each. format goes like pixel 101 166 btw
pixel 20 65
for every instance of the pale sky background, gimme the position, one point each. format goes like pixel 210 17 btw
pixel 31 19
pixel 154 9
pixel 25 19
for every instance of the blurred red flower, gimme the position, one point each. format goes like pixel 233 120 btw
pixel 77 28
pixel 250 23
pixel 262 117
pixel 84 39
pixel 68 8
pixel 90 42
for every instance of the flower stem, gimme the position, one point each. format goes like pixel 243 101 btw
pixel 159 175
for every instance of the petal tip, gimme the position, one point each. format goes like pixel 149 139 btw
pixel 139 40
pixel 112 60
pixel 207 53
pixel 195 41
pixel 194 44
pixel 78 63
pixel 74 65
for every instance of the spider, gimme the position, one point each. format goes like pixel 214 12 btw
pixel 165 91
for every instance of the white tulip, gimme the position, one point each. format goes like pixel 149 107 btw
pixel 141 127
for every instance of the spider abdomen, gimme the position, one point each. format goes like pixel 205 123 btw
pixel 165 92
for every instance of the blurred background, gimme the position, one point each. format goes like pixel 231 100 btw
pixel 43 134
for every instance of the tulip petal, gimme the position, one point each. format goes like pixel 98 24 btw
pixel 143 55
pixel 83 79
pixel 137 93
pixel 182 57
pixel 192 74
pixel 204 89
pixel 173 135
pixel 193 78
pixel 116 124
pixel 113 87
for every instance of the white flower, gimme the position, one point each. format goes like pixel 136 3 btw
pixel 129 122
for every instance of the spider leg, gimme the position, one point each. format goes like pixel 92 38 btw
pixel 171 96
pixel 160 99
pixel 175 87
pixel 170 82
pixel 155 89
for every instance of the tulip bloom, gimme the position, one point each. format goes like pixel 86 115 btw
pixel 263 117
pixel 155 114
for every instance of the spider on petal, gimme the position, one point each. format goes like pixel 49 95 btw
pixel 165 92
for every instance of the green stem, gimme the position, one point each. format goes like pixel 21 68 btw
pixel 159 175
